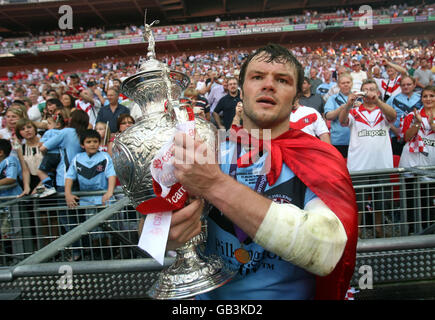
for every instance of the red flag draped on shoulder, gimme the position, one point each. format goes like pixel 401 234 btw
pixel 323 170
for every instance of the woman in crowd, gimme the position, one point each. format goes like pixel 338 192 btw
pixel 124 121
pixel 68 101
pixel 419 133
pixel 26 132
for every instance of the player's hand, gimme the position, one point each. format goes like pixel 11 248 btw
pixel 185 224
pixel 195 164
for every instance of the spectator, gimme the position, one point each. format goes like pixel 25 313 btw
pixel 10 170
pixel 227 105
pixel 358 75
pixel 218 89
pixel 327 83
pixel 310 99
pixel 105 134
pixel 111 112
pixel 123 122
pixel 93 169
pixel 339 135
pixel 50 161
pixel 68 139
pixel 423 75
pixel 198 102
pixel 404 103
pixel 68 101
pixel 310 121
pixel 314 81
pixel 391 86
pixel 419 132
pixel 88 104
pixel 369 145
pixel 74 88
pixel 26 131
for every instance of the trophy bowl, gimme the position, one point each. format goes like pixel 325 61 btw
pixel 157 91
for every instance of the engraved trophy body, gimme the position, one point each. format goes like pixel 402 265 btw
pixel 156 90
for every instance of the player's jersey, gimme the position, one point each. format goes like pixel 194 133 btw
pixel 309 120
pixel 370 144
pixel 92 174
pixel 420 151
pixel 266 275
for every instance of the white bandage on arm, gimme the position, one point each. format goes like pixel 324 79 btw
pixel 313 238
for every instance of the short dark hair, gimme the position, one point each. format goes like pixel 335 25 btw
pixel 121 118
pixel 276 53
pixel 89 133
pixel 5 146
pixel 56 102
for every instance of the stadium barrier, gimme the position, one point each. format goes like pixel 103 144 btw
pixel 396 241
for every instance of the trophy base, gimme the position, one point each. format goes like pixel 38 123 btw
pixel 183 280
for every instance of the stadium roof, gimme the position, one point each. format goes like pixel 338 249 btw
pixel 35 16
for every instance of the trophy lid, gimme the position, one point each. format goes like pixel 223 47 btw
pixel 154 79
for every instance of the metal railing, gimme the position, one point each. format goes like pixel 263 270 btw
pixel 393 203
pixel 397 203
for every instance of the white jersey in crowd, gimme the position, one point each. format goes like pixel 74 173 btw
pixel 369 145
pixel 89 108
pixel 309 120
pixel 411 156
pixel 389 88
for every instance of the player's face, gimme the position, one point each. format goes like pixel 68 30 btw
pixel 268 93
pixel 91 145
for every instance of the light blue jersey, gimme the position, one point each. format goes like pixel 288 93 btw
pixel 92 174
pixel 266 275
pixel 68 142
pixel 47 136
pixel 10 168
pixel 404 105
pixel 340 135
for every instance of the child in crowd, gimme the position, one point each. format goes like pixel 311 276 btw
pixel 10 170
pixel 50 161
pixel 104 131
pixel 93 169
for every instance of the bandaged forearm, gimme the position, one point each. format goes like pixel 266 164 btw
pixel 313 238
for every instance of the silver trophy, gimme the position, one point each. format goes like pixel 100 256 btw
pixel 157 91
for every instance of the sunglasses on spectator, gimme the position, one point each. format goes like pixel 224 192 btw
pixel 127 122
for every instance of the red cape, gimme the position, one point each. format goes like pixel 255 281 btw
pixel 322 169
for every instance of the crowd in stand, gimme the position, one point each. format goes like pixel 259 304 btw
pixel 43 102
pixel 101 33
